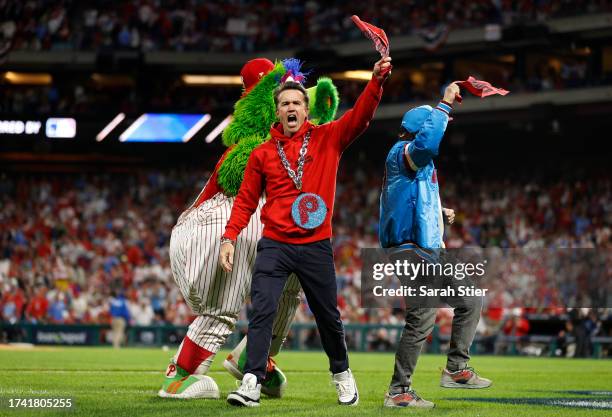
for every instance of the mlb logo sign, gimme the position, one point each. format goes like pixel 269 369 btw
pixel 60 127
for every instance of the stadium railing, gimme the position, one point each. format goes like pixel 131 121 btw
pixel 303 336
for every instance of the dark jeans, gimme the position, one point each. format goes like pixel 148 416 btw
pixel 313 263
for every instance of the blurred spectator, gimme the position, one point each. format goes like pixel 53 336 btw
pixel 141 313
pixel 58 312
pixel 380 341
pixel 120 316
pixel 513 332
pixel 585 324
pixel 12 304
pixel 36 312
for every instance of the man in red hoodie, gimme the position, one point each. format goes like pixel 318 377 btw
pixel 297 170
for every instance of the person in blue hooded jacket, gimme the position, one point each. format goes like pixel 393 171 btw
pixel 412 221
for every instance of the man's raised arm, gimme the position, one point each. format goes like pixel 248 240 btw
pixel 427 141
pixel 355 121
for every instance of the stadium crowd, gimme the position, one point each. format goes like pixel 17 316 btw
pixel 70 243
pixel 83 97
pixel 567 74
pixel 211 26
pixel 246 26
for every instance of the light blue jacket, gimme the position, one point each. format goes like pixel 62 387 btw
pixel 410 208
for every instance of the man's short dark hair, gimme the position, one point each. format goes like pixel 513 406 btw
pixel 290 85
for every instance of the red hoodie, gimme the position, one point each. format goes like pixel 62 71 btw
pixel 265 172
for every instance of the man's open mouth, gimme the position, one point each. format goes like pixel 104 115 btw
pixel 292 118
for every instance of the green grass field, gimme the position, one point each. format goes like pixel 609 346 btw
pixel 105 382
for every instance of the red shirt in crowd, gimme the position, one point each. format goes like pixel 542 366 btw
pixel 516 326
pixel 15 298
pixel 265 172
pixel 37 309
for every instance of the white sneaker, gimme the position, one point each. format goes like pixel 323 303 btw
pixel 346 387
pixel 247 395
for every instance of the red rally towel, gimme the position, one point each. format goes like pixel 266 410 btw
pixel 479 88
pixel 377 35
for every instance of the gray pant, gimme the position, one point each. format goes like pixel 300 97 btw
pixel 419 323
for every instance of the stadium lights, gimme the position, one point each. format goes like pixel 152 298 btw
pixel 356 75
pixel 128 132
pixel 112 80
pixel 196 127
pixel 433 66
pixel 28 78
pixel 191 79
pixel 507 59
pixel 417 78
pixel 164 127
pixel 109 127
pixel 583 51
pixel 217 130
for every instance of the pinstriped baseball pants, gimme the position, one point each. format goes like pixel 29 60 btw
pixel 215 296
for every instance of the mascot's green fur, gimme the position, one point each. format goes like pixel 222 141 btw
pixel 253 116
